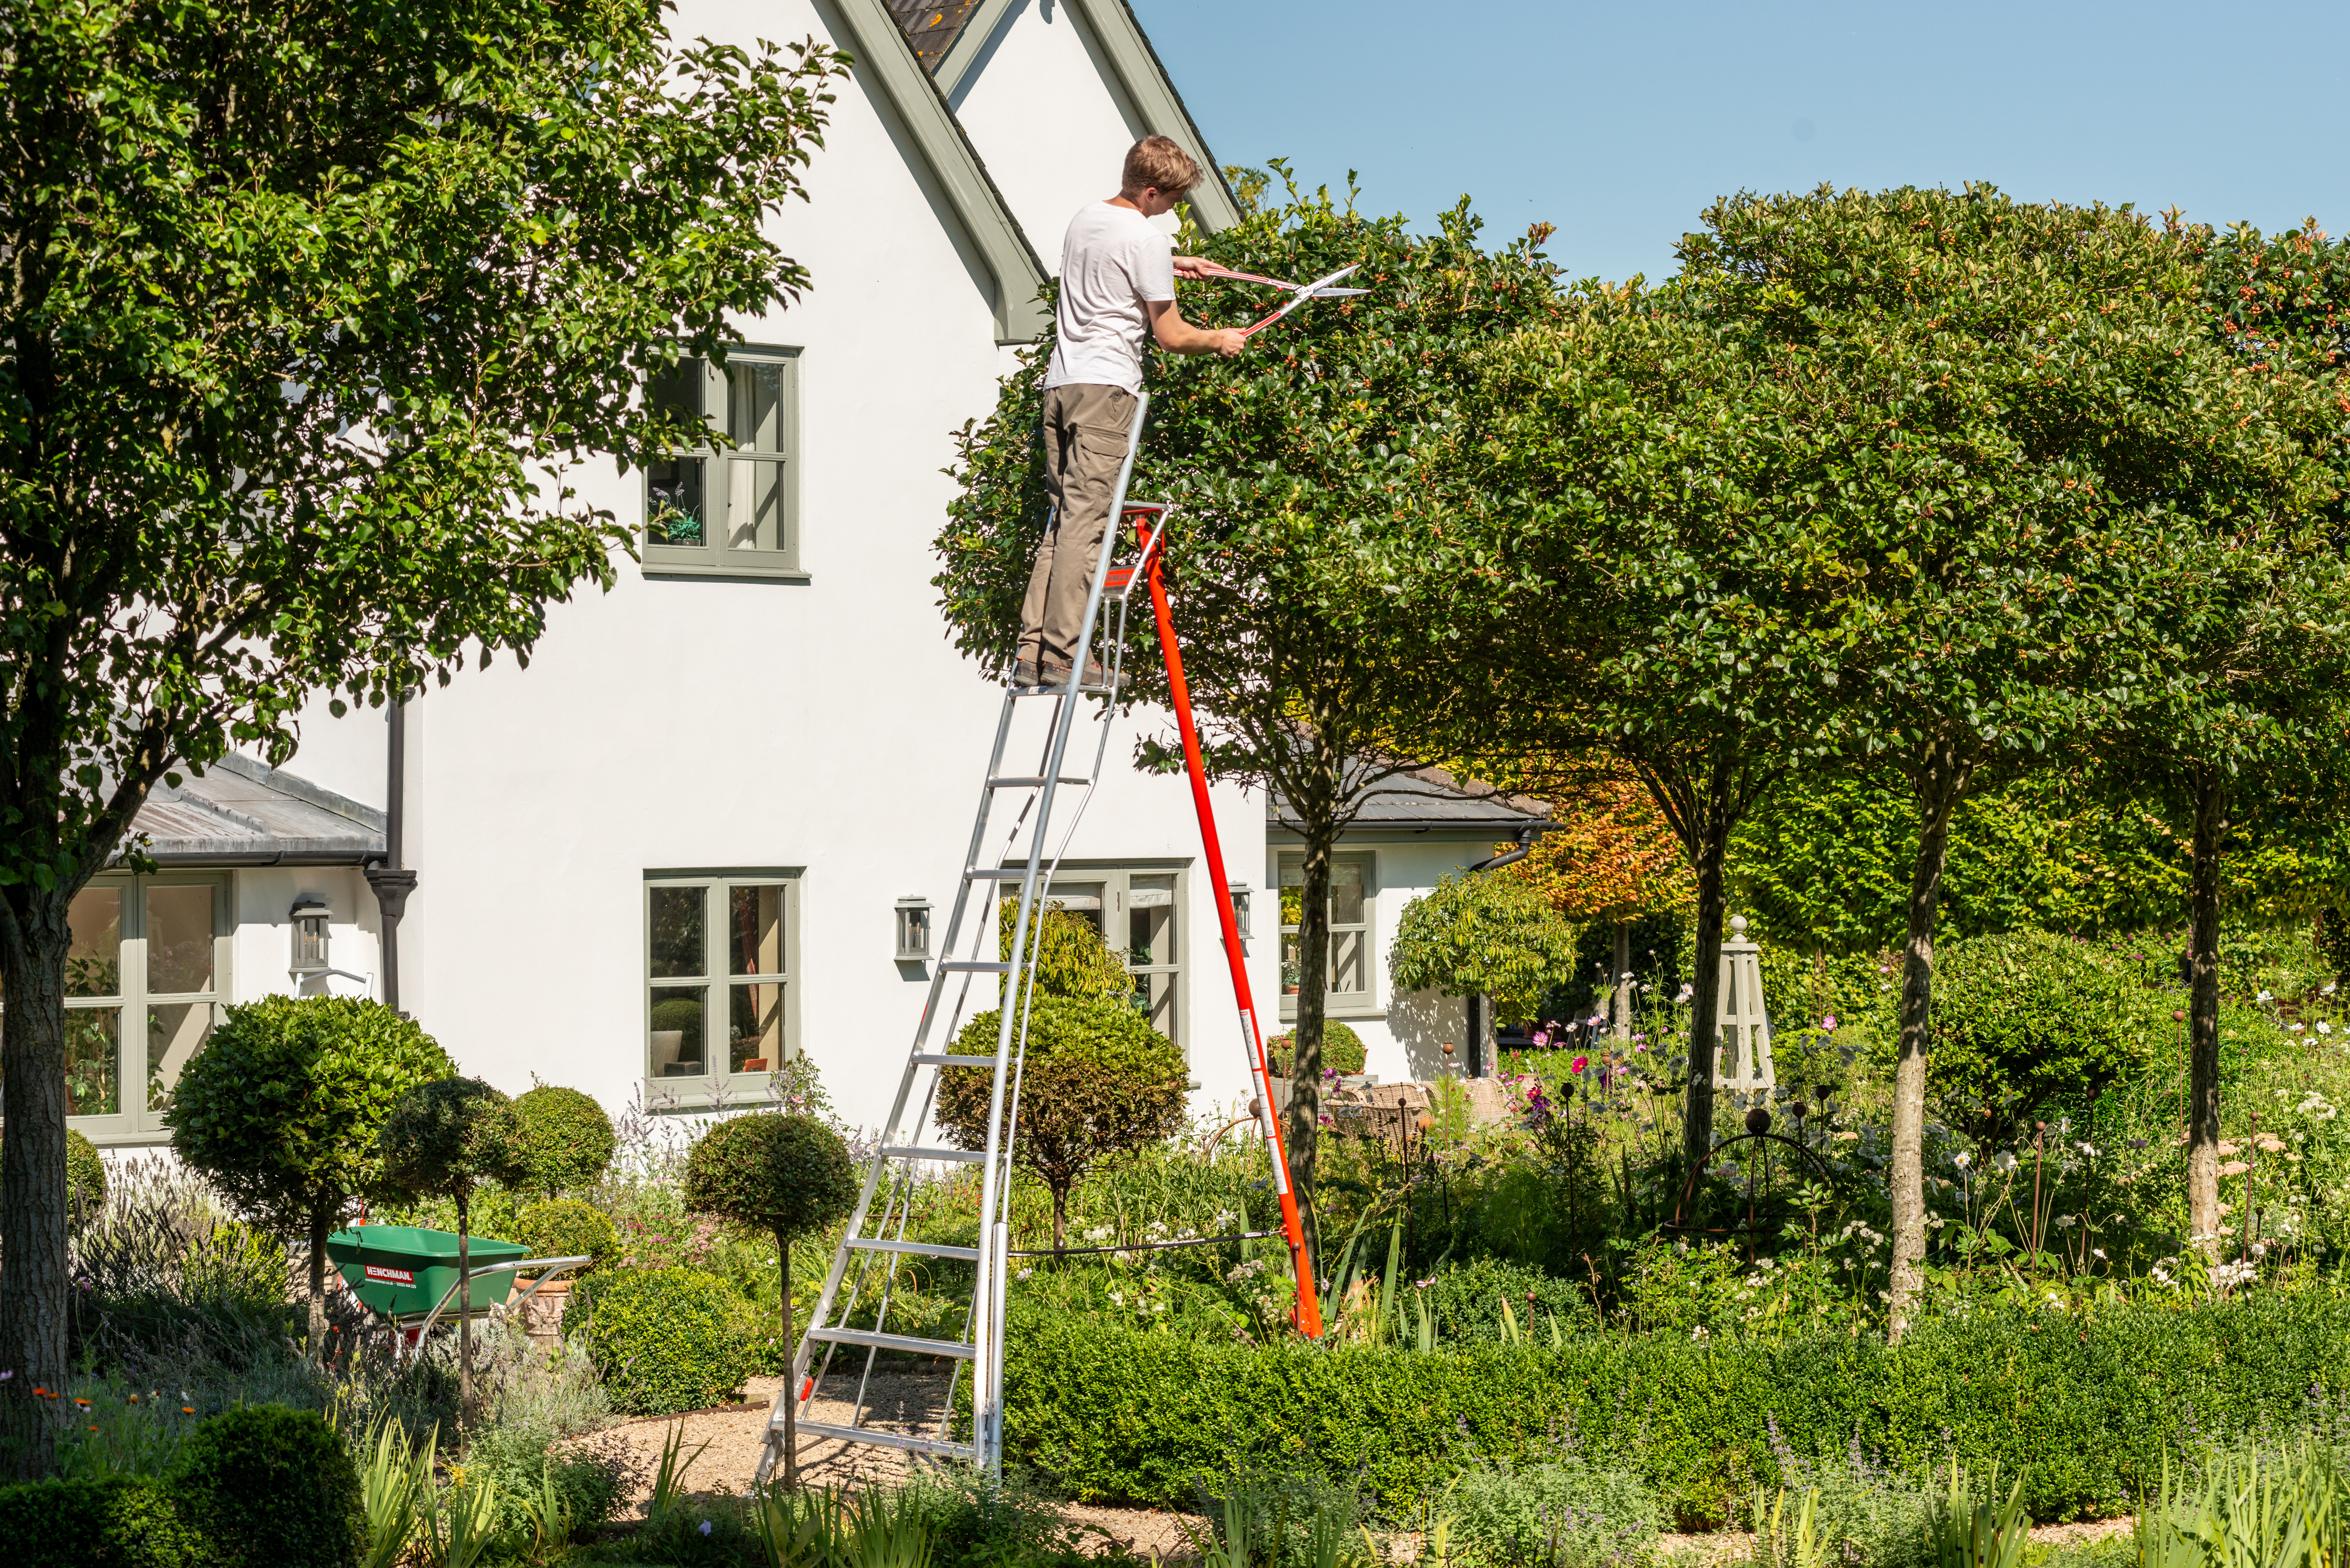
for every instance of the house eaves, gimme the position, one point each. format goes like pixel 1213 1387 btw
pixel 887 65
pixel 1146 94
pixel 242 812
pixel 1428 803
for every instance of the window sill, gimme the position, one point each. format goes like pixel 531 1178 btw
pixel 665 571
pixel 1344 1012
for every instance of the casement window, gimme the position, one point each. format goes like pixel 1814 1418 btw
pixel 1352 899
pixel 146 975
pixel 729 510
pixel 1139 912
pixel 718 949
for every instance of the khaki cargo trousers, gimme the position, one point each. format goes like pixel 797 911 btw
pixel 1086 430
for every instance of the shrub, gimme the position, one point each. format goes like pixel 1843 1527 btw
pixel 282 1107
pixel 116 1523
pixel 568 1228
pixel 563 1140
pixel 2083 1410
pixel 2024 1021
pixel 663 1340
pixel 267 1487
pixel 1564 1513
pixel 1342 1050
pixel 85 1178
pixel 1099 1082
pixel 1467 1301
pixel 1493 935
pixel 1071 958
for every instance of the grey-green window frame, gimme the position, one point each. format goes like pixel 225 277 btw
pixel 1159 966
pixel 720 970
pixel 723 474
pixel 139 1116
pixel 1361 1001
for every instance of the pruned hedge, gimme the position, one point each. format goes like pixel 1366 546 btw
pixel 2083 1408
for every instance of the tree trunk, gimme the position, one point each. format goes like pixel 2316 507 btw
pixel 1937 784
pixel 464 1321
pixel 33 940
pixel 790 1368
pixel 320 1219
pixel 2203 1013
pixel 1305 1062
pixel 1060 1223
pixel 1705 1002
pixel 1620 983
pixel 1476 1042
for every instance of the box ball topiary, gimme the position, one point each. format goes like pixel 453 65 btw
pixel 568 1228
pixel 563 1140
pixel 1342 1050
pixel 120 1522
pixel 662 1340
pixel 267 1487
pixel 85 1178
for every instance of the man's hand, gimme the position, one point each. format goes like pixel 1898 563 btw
pixel 1198 267
pixel 1228 342
pixel 1178 336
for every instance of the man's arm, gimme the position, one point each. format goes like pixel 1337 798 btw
pixel 1197 267
pixel 1178 336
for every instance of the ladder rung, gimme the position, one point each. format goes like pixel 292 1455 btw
pixel 991 874
pixel 906 1343
pixel 1027 782
pixel 806 1427
pixel 919 1249
pixel 935 1059
pixel 975 966
pixel 908 1151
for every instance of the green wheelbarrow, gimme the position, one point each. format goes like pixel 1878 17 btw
pixel 407 1274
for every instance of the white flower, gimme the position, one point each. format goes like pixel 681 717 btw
pixel 1699 1332
pixel 2264 996
pixel 2005 1160
pixel 2097 1251
pixel 2296 1028
pixel 1962 1159
pixel 2323 1027
pixel 1023 1274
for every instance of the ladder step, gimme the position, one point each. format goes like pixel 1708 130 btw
pixel 992 874
pixel 961 1156
pixel 1009 782
pixel 935 1059
pixel 806 1427
pixel 919 1249
pixel 975 966
pixel 906 1343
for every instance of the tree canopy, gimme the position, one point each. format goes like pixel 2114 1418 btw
pixel 1488 935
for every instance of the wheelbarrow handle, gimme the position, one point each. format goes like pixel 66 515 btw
pixel 549 1268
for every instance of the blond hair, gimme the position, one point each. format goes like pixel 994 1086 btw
pixel 1156 161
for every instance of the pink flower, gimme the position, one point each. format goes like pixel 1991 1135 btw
pixel 1829 1022
pixel 1579 1063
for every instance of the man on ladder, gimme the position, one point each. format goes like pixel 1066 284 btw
pixel 1117 283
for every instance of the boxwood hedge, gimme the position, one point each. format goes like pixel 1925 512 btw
pixel 2083 1408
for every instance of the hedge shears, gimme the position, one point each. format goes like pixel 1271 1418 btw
pixel 1320 288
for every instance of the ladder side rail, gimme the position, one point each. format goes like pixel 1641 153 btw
pixel 1309 1310
pixel 987 1373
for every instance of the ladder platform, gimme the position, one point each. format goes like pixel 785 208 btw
pixel 1014 782
pixel 959 1349
pixel 872 1435
pixel 975 966
pixel 940 1059
pixel 959 1156
pixel 919 1249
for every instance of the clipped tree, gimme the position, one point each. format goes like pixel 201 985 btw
pixel 442 1139
pixel 1099 1082
pixel 1482 935
pixel 1319 592
pixel 1070 957
pixel 347 292
pixel 281 1109
pixel 786 1175
pixel 563 1140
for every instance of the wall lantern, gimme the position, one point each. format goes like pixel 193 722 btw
pixel 1240 891
pixel 913 930
pixel 309 917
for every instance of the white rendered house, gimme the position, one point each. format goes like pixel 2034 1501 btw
pixel 675 850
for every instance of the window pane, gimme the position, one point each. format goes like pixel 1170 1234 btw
pixel 677 946
pixel 1292 965
pixel 1155 995
pixel 94 953
pixel 175 1031
pixel 677 1030
pixel 674 507
pixel 1345 892
pixel 178 940
pixel 1150 921
pixel 754 930
pixel 755 1029
pixel 755 406
pixel 93 1056
pixel 1346 961
pixel 754 506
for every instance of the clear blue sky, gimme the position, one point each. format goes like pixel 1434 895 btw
pixel 1620 122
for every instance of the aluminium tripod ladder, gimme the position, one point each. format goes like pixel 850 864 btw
pixel 865 1265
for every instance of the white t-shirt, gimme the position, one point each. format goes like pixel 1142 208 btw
pixel 1113 260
